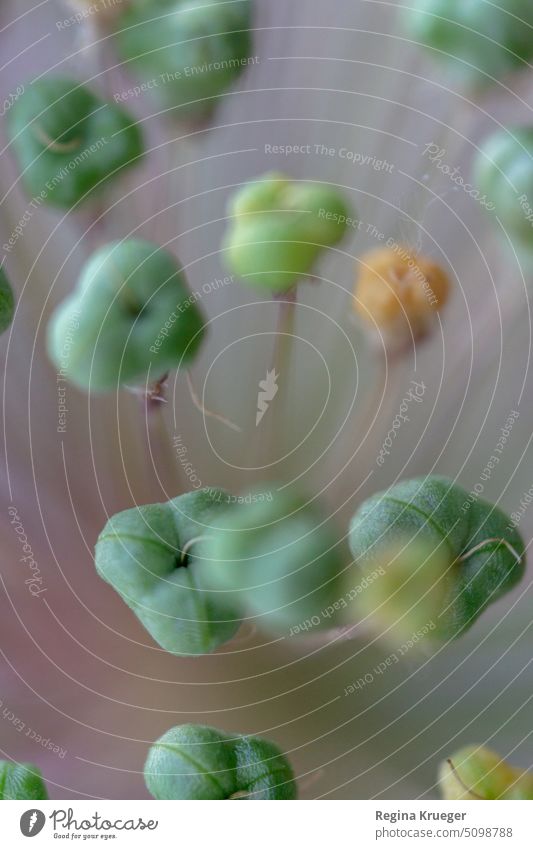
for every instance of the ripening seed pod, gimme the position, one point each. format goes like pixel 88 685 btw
pixel 482 556
pixel 398 294
pixel 150 555
pixel 198 762
pixel 70 143
pixel 276 560
pixel 279 227
pixel 476 773
pixel 130 318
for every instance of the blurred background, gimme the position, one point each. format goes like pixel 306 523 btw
pixel 76 668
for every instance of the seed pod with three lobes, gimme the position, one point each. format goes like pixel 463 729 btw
pixel 278 561
pixel 278 228
pixel 151 556
pixel 70 143
pixel 131 319
pixel 482 557
pixel 199 762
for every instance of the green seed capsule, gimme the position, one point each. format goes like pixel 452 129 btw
pixel 279 227
pixel 504 172
pixel 276 560
pixel 7 302
pixel 150 555
pixel 197 762
pixel 483 555
pixel 476 773
pixel 21 781
pixel 69 142
pixel 130 318
pixel 476 40
pixel 186 52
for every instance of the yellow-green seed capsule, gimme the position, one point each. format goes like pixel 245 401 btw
pixel 278 228
pixel 404 592
pixel 476 773
pixel 480 556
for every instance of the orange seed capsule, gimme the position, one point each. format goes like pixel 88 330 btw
pixel 398 292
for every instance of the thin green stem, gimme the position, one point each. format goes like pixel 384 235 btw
pixel 281 366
